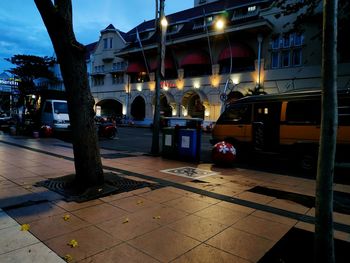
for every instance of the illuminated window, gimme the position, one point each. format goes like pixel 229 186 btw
pixel 251 8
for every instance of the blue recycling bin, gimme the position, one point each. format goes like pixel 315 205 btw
pixel 189 144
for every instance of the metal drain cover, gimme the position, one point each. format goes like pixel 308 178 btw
pixel 113 184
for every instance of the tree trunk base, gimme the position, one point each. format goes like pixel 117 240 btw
pixel 113 184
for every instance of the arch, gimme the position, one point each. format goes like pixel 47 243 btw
pixel 170 97
pixel 110 107
pixel 138 108
pixel 166 100
pixel 195 103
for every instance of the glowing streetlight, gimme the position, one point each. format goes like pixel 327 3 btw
pixel 164 22
pixel 220 24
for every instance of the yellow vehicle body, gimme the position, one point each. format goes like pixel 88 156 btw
pixel 287 122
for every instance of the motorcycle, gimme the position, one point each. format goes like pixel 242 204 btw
pixel 106 128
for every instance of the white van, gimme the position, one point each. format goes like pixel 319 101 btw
pixel 55 114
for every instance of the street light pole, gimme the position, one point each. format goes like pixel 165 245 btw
pixel 260 39
pixel 156 118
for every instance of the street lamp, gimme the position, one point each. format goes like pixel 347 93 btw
pixel 260 39
pixel 220 26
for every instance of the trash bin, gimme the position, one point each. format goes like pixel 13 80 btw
pixel 189 142
pixel 169 142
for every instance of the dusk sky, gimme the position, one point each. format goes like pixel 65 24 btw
pixel 23 31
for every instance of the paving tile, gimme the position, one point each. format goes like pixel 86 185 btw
pixel 164 244
pixel 130 226
pixel 6 221
pixel 204 198
pixel 235 207
pixel 133 203
pixel 91 241
pixel 54 226
pixel 208 254
pixel 276 218
pixel 38 253
pixel 289 206
pixel 99 213
pixel 32 213
pixel 162 214
pixel 256 198
pixel 13 238
pixel 72 206
pixel 14 195
pixel 221 214
pixel 197 227
pixel 6 184
pixel 262 227
pixel 122 253
pixel 189 205
pixel 241 244
pixel 161 195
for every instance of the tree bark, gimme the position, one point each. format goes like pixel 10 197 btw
pixel 324 243
pixel 70 54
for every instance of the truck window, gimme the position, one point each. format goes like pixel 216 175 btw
pixel 236 114
pixel 304 112
pixel 344 111
pixel 60 107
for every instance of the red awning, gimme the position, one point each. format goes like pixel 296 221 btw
pixel 168 64
pixel 237 51
pixel 196 58
pixel 136 67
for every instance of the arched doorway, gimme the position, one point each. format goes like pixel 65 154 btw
pixel 194 105
pixel 110 108
pixel 138 109
pixel 165 108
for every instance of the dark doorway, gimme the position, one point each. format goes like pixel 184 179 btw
pixel 110 108
pixel 165 108
pixel 138 109
pixel 195 106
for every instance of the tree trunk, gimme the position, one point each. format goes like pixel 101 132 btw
pixel 324 244
pixel 57 18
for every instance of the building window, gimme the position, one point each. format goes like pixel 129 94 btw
pixel 274 59
pixel 117 78
pixel 108 42
pixel 285 58
pixel 296 57
pixel 111 42
pixel 105 43
pixel 99 81
pixel 286 50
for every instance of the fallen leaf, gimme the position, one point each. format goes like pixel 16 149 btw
pixel 126 221
pixel 66 217
pixel 25 227
pixel 73 243
pixel 139 202
pixel 68 258
pixel 156 217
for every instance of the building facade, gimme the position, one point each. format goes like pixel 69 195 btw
pixel 255 49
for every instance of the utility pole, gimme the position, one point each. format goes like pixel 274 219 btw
pixel 156 118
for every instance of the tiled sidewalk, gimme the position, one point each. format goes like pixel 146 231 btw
pixel 213 220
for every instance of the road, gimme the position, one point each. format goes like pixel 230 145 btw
pixel 139 140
